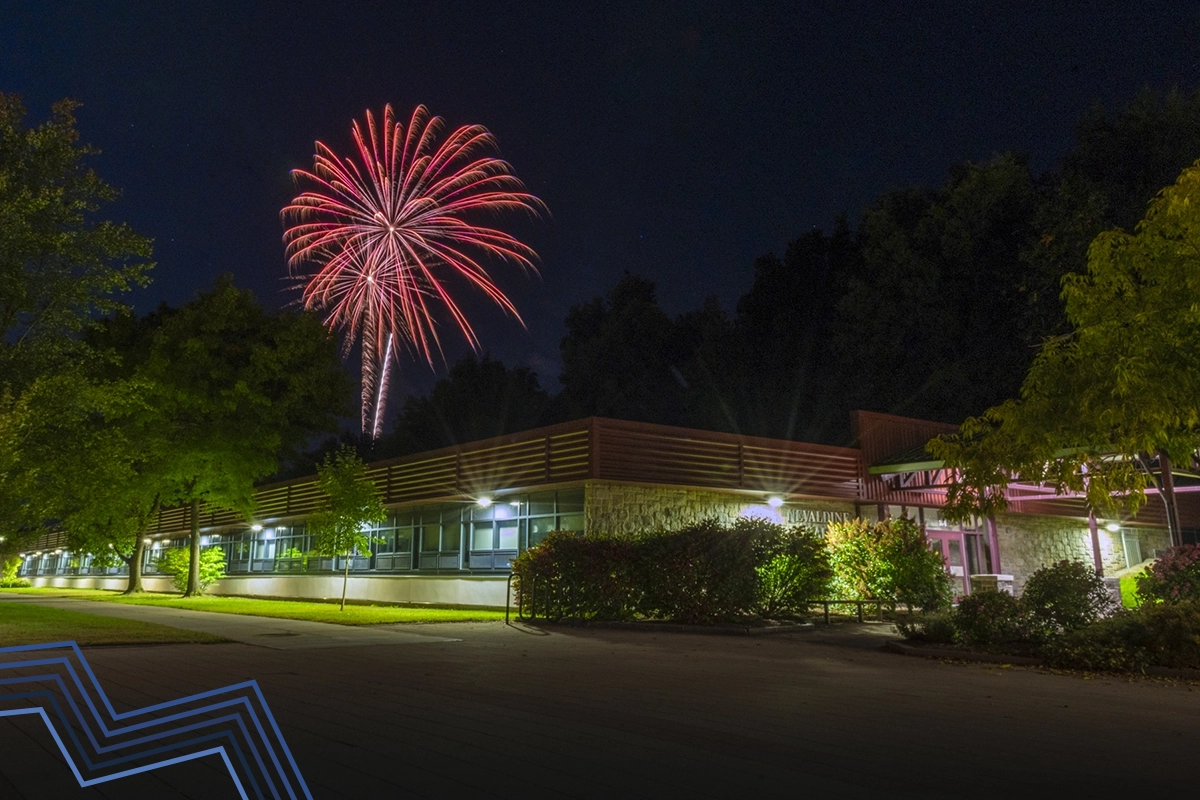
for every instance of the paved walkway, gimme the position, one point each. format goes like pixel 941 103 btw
pixel 277 634
pixel 486 710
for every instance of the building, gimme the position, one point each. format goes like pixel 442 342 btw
pixel 457 516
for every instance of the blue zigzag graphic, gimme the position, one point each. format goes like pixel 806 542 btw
pixel 228 722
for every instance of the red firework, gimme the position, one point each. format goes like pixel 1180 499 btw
pixel 381 233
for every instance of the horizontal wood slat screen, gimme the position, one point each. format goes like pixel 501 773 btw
pixel 627 451
pixel 646 453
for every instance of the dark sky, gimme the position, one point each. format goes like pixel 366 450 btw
pixel 676 141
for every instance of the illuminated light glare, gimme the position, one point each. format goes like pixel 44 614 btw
pixel 146 541
pixel 1112 527
pixel 256 527
pixel 775 501
pixel 484 501
pixel 761 512
pixel 514 504
pixel 376 240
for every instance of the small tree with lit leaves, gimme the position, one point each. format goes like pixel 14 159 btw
pixel 339 527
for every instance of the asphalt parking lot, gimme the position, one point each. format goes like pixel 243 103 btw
pixel 488 710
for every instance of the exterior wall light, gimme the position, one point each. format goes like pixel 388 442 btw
pixel 256 527
pixel 145 541
pixel 774 501
pixel 484 501
pixel 1112 527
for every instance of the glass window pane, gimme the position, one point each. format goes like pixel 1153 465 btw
pixel 403 518
pixel 481 536
pixel 451 537
pixel 431 538
pixel 570 501
pixel 508 535
pixel 479 512
pixel 570 522
pixel 403 540
pixel 541 503
pixel 538 528
pixel 451 513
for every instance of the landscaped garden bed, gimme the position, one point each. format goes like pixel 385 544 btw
pixel 749 576
pixel 1066 619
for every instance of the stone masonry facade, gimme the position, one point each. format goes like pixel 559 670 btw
pixel 616 509
pixel 1029 542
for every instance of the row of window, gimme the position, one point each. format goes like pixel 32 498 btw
pixel 445 536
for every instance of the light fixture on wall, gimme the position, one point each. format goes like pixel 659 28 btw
pixel 484 501
pixel 1112 527
pixel 256 527
pixel 775 501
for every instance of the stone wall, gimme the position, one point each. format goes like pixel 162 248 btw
pixel 617 509
pixel 1029 542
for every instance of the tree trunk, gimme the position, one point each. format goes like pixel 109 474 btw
pixel 193 581
pixel 135 567
pixel 1167 487
pixel 345 580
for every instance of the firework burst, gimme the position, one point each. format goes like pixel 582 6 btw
pixel 374 238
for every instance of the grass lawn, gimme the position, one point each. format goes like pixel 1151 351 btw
pixel 284 609
pixel 21 623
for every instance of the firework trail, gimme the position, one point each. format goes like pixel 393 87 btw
pixel 373 238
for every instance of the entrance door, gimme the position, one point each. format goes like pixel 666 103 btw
pixel 952 547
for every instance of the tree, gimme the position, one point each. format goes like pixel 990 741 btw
pixel 478 399
pixel 237 385
pixel 351 504
pixel 618 360
pixel 1120 390
pixel 99 474
pixel 60 267
pixel 935 322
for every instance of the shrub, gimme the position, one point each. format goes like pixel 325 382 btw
pixel 889 560
pixel 175 562
pixel 1172 633
pixel 1065 596
pixel 936 628
pixel 989 617
pixel 8 574
pixel 1163 634
pixel 704 573
pixel 1115 644
pixel 1174 577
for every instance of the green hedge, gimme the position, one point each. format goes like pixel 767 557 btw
pixel 705 573
pixel 1066 617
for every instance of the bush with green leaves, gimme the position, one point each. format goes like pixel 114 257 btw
pixel 935 628
pixel 8 574
pixel 1065 596
pixel 704 573
pixel 989 617
pixel 792 565
pixel 175 562
pixel 1174 577
pixel 1154 634
pixel 888 560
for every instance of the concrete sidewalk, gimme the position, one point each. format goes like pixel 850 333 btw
pixel 276 634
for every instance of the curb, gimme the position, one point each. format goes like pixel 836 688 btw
pixel 1032 661
pixel 960 655
pixel 674 627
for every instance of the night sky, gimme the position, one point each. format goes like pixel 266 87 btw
pixel 676 141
